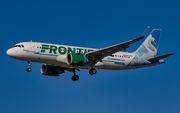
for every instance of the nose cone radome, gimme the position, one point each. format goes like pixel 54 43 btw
pixel 9 52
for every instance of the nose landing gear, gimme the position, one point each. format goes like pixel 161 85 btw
pixel 29 68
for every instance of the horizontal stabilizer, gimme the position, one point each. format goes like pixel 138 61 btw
pixel 160 57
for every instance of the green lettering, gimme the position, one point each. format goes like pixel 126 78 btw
pixel 74 50
pixel 70 50
pixel 53 49
pixel 62 52
pixel 44 47
pixel 79 50
pixel 85 50
pixel 89 50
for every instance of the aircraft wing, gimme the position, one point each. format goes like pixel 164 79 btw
pixel 96 56
pixel 160 57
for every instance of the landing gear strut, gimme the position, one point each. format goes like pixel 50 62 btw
pixel 92 71
pixel 75 77
pixel 29 68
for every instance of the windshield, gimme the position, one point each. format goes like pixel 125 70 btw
pixel 19 46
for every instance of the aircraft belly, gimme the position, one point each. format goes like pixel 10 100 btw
pixel 108 64
pixel 114 65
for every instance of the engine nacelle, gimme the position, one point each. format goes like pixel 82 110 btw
pixel 76 59
pixel 51 70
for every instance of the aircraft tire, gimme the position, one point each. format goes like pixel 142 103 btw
pixel 92 71
pixel 75 78
pixel 28 69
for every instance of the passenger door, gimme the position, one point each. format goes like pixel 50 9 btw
pixel 33 47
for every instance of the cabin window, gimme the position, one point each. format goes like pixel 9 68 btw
pixel 45 48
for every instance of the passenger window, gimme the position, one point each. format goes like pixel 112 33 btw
pixel 45 48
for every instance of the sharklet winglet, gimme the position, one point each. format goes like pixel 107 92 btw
pixel 145 32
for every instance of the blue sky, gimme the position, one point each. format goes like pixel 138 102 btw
pixel 97 24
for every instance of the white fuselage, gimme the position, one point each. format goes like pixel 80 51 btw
pixel 56 54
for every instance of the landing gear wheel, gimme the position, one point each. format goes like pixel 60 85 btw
pixel 28 69
pixel 75 78
pixel 92 71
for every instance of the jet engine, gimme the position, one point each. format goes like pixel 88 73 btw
pixel 51 70
pixel 76 59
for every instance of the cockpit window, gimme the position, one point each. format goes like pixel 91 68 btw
pixel 19 46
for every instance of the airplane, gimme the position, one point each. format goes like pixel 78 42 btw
pixel 60 58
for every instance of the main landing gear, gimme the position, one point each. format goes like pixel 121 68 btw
pixel 75 77
pixel 92 71
pixel 29 68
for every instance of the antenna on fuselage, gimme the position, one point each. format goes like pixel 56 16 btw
pixel 31 41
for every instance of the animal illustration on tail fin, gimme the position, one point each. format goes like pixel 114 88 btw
pixel 149 47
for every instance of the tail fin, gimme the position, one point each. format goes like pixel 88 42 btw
pixel 149 47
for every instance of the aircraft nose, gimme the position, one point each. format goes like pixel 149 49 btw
pixel 9 52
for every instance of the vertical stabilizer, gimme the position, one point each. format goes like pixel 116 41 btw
pixel 149 47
